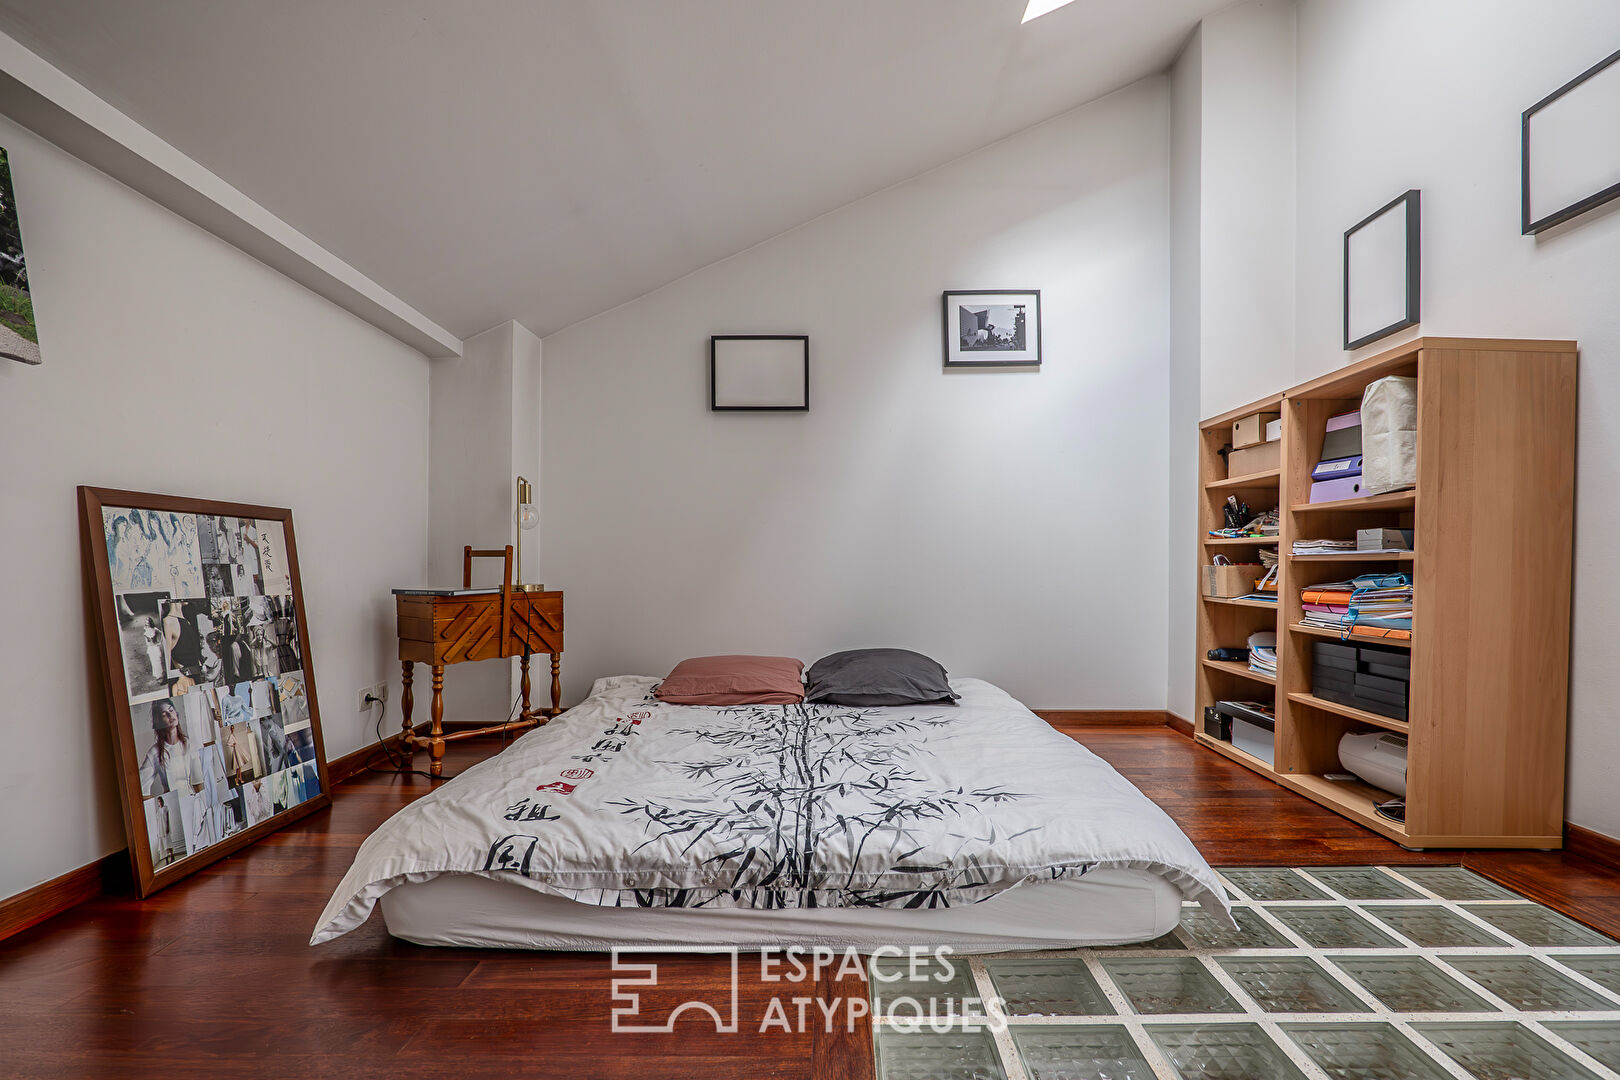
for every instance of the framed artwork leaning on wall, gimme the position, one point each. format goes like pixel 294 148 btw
pixel 209 682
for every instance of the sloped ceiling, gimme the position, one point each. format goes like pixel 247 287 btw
pixel 545 160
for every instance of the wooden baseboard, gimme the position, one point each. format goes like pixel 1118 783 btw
pixel 1592 845
pixel 1067 718
pixel 340 769
pixel 1179 725
pixel 48 898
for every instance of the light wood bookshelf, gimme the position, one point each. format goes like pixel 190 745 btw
pixel 1493 511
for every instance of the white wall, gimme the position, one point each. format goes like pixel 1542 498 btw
pixel 1186 135
pixel 1010 524
pixel 485 432
pixel 175 363
pixel 1396 94
pixel 1247 203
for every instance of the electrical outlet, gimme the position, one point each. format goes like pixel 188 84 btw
pixel 381 691
pixel 361 696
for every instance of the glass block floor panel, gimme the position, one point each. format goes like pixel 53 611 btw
pixel 1095 1052
pixel 1528 984
pixel 936 990
pixel 1056 987
pixel 1598 1038
pixel 1301 988
pixel 1455 883
pixel 1332 927
pixel 1363 883
pixel 1411 984
pixel 1601 968
pixel 1169 984
pixel 1364 1052
pixel 1434 927
pixel 926 1055
pixel 1503 1051
pixel 1223 1052
pixel 1253 932
pixel 1289 984
pixel 1536 925
pixel 1273 883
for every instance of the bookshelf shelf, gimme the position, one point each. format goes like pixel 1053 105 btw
pixel 1266 479
pixel 1361 716
pixel 1317 631
pixel 1489 697
pixel 1242 671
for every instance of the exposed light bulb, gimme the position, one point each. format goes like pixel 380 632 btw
pixel 528 516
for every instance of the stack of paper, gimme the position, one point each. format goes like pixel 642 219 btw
pixel 1263 652
pixel 1372 605
pixel 1322 547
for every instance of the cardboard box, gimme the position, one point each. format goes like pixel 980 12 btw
pixel 1254 459
pixel 1229 581
pixel 1251 430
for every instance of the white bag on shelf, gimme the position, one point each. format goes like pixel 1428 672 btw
pixel 1389 435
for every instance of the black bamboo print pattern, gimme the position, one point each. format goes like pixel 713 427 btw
pixel 792 783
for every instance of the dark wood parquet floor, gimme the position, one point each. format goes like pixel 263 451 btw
pixel 212 977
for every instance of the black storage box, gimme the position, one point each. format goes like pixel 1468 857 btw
pixel 1327 654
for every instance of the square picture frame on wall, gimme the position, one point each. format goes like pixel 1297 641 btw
pixel 1569 160
pixel 1383 271
pixel 989 328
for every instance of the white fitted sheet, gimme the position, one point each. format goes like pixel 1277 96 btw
pixel 1104 907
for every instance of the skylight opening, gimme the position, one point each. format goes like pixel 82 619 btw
pixel 1037 8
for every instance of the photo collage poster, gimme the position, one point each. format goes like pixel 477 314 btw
pixel 214 670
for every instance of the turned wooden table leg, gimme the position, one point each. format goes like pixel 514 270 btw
pixel 556 685
pixel 523 665
pixel 436 732
pixel 407 701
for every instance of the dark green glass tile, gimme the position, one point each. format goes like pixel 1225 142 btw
pixel 1274 883
pixel 1289 984
pixel 927 1055
pixel 1411 984
pixel 1434 927
pixel 1503 1050
pixel 1055 987
pixel 1364 1052
pixel 1169 984
pixel 938 990
pixel 1536 925
pixel 1334 928
pixel 1455 883
pixel 1362 883
pixel 1223 1052
pixel 1253 932
pixel 1599 1038
pixel 1603 969
pixel 1094 1052
pixel 1529 985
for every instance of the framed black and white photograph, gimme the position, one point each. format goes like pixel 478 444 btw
pixel 993 328
pixel 1383 271
pixel 759 372
pixel 215 728
pixel 1569 158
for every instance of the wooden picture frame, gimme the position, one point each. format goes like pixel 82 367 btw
pixel 759 373
pixel 990 328
pixel 1383 271
pixel 1591 182
pixel 193 651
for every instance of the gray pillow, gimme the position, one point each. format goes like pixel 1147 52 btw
pixel 864 677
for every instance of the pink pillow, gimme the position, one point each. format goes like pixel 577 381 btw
pixel 734 680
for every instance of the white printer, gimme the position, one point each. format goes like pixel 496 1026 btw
pixel 1378 757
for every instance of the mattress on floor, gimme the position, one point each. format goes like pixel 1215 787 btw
pixel 1105 907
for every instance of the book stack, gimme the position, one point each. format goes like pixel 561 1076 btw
pixel 1263 653
pixel 1368 606
pixel 1323 547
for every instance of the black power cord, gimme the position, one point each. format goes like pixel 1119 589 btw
pixel 402 765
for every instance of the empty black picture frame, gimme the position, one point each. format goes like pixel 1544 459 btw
pixel 804 402
pixel 1557 217
pixel 1414 268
